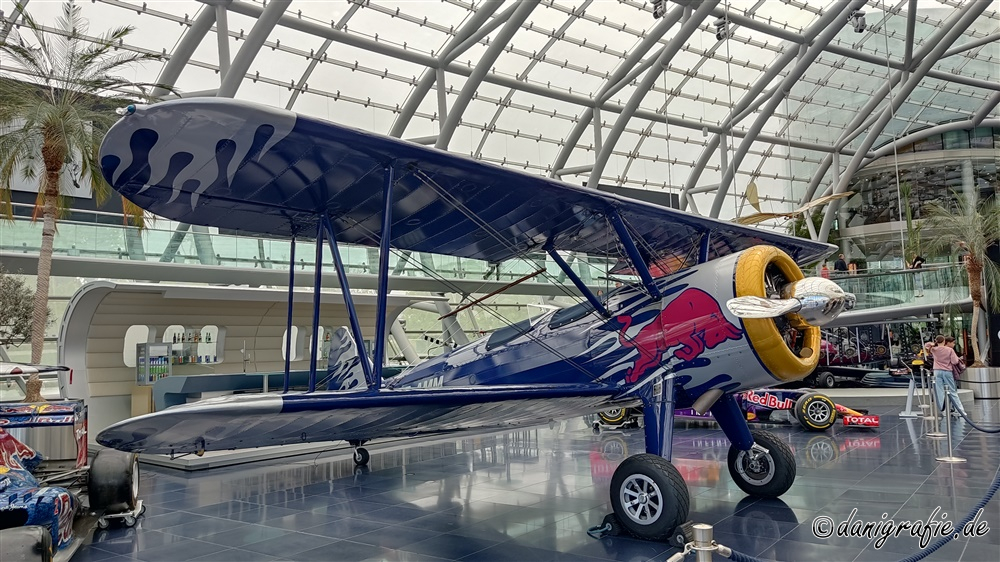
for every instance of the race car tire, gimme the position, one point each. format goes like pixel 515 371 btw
pixel 649 497
pixel 815 411
pixel 614 416
pixel 766 475
pixel 825 380
pixel 113 485
pixel 31 542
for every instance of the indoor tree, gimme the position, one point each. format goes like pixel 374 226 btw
pixel 973 227
pixel 16 300
pixel 55 106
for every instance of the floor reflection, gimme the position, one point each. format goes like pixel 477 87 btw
pixel 531 495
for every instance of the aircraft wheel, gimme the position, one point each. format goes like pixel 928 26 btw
pixel 649 496
pixel 815 411
pixel 361 456
pixel 614 416
pixel 825 380
pixel 113 484
pixel 763 474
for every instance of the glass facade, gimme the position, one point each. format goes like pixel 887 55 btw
pixel 892 189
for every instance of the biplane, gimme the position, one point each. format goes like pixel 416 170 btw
pixel 717 308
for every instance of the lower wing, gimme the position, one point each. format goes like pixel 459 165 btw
pixel 245 421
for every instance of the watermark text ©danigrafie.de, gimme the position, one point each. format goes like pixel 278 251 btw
pixel 935 526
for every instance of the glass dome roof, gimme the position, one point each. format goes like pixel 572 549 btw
pixel 790 96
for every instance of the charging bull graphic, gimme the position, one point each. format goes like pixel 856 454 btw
pixel 692 323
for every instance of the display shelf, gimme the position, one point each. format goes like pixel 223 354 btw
pixel 152 362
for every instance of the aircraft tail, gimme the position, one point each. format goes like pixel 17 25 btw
pixel 344 370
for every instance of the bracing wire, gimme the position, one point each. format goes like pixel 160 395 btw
pixel 895 150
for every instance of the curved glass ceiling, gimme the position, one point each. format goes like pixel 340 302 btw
pixel 522 84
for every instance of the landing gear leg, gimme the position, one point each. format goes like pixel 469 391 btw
pixel 361 456
pixel 648 495
pixel 760 463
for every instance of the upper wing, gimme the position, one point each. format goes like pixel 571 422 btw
pixel 231 164
pixel 244 421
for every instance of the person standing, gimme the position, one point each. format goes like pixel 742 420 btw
pixel 918 281
pixel 945 359
pixel 840 266
pixel 824 272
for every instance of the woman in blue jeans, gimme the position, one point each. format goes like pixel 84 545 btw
pixel 945 358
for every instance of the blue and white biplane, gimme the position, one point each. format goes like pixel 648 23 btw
pixel 720 308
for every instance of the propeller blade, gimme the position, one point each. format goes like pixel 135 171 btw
pixel 759 307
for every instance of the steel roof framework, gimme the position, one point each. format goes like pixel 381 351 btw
pixel 596 91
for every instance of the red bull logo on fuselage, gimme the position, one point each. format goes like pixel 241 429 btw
pixel 691 323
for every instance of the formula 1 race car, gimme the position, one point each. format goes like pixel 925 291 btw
pixel 812 410
pixel 49 506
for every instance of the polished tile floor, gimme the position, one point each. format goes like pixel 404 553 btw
pixel 531 495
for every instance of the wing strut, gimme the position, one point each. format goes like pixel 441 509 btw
pixel 317 295
pixel 383 278
pixel 288 326
pixel 565 267
pixel 706 241
pixel 633 254
pixel 352 313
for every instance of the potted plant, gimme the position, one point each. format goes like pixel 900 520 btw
pixel 971 228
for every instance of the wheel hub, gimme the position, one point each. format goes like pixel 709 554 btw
pixel 757 469
pixel 641 499
pixel 818 412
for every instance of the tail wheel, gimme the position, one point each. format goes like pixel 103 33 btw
pixel 361 456
pixel 649 497
pixel 763 474
pixel 113 485
pixel 816 412
pixel 614 416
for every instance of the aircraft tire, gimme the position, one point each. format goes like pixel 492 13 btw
pixel 815 411
pixel 113 483
pixel 361 456
pixel 638 482
pixel 770 474
pixel 614 416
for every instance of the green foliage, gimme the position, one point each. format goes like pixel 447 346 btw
pixel 799 228
pixel 975 225
pixel 61 112
pixel 16 300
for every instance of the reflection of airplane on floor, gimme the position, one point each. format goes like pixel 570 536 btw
pixel 731 312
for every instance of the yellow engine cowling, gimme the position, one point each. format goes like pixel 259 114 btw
pixel 752 270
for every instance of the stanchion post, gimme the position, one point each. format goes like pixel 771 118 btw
pixel 703 545
pixel 950 457
pixel 936 433
pixel 908 411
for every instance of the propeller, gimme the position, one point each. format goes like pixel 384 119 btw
pixel 815 300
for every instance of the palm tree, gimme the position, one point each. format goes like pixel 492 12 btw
pixel 975 228
pixel 53 111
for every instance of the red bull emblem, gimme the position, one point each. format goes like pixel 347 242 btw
pixel 13 453
pixel 692 323
pixel 769 400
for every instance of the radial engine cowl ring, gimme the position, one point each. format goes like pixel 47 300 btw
pixel 753 270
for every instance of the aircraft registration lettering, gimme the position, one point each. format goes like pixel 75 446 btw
pixel 431 382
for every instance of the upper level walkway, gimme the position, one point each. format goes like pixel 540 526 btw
pixel 194 255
